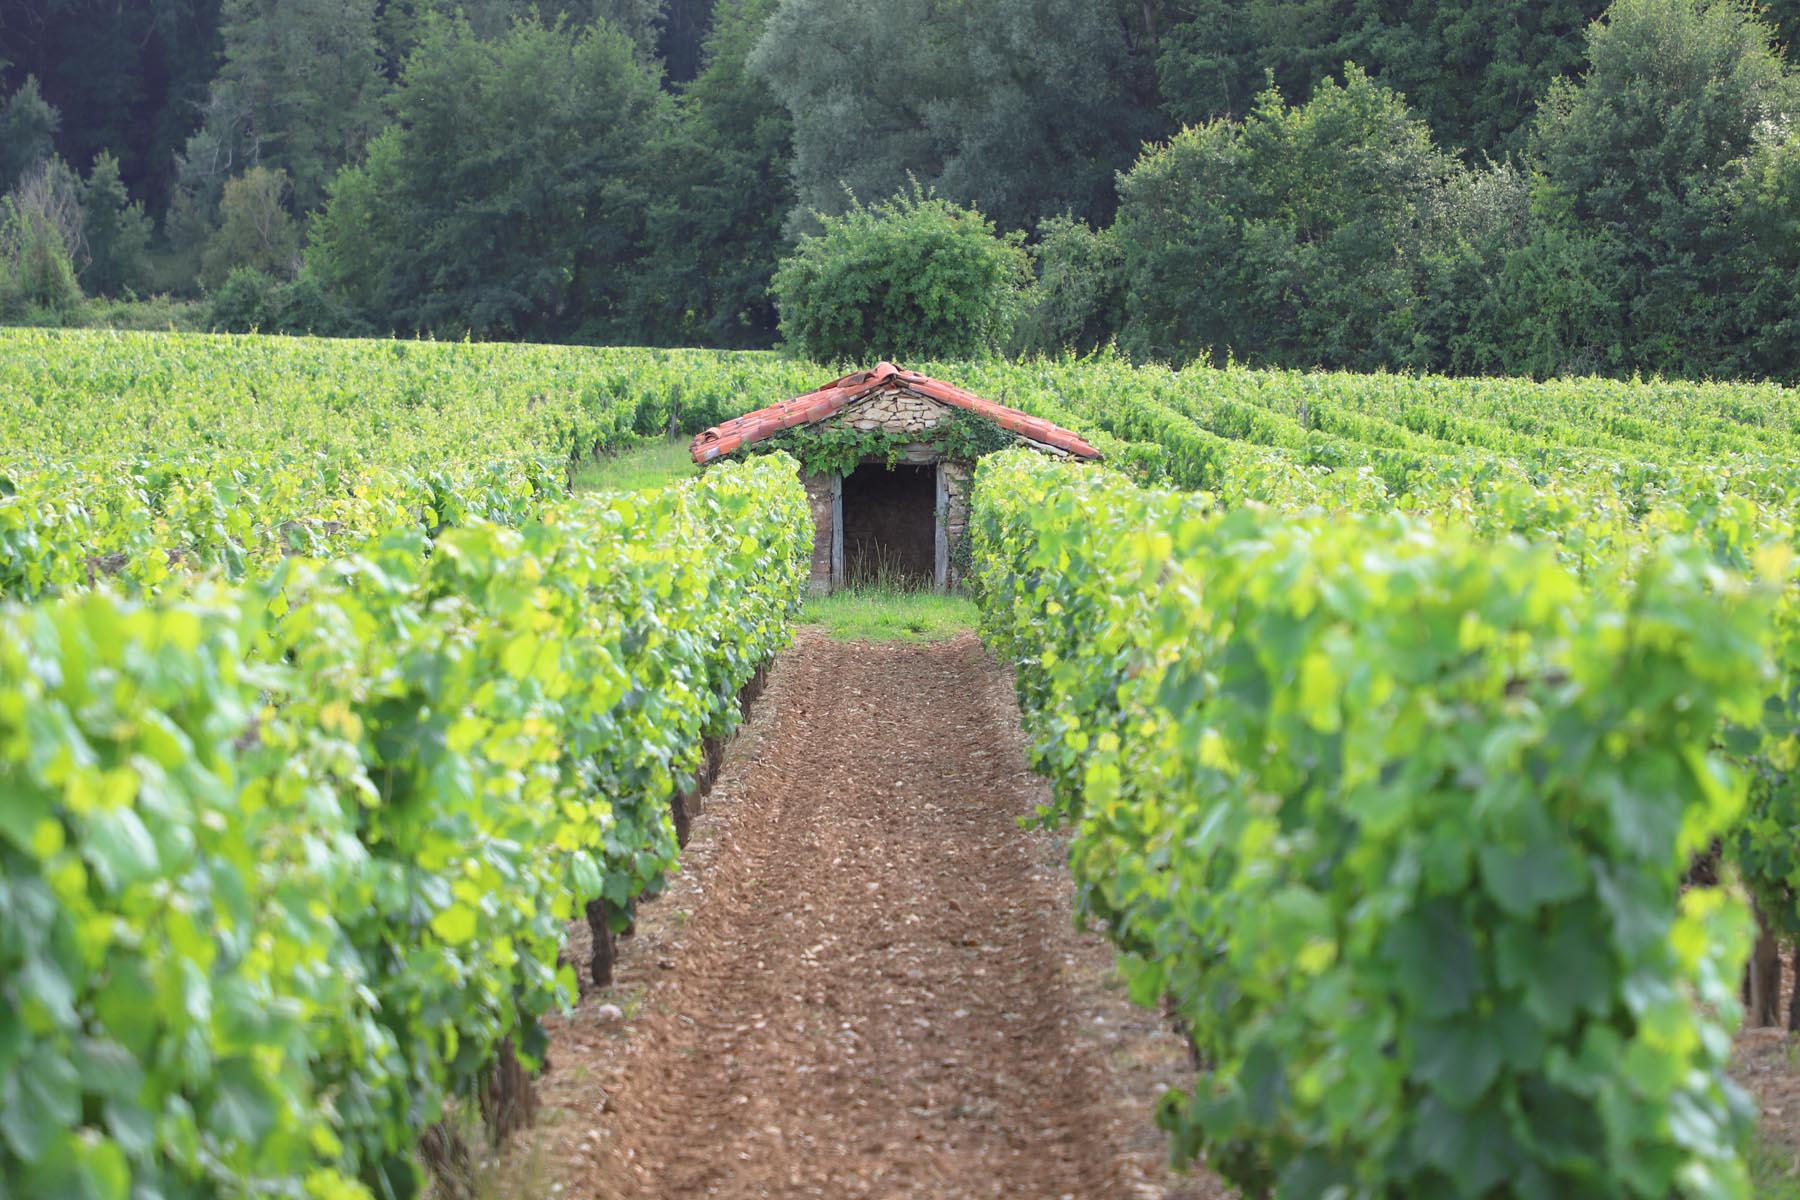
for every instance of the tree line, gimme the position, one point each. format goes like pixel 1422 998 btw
pixel 1547 187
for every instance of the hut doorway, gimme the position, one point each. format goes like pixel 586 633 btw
pixel 889 525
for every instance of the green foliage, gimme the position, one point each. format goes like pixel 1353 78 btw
pixel 1077 302
pixel 1475 71
pixel 911 277
pixel 337 844
pixel 1766 200
pixel 836 448
pixel 1765 846
pixel 162 313
pixel 1394 816
pixel 638 20
pixel 1422 626
pixel 255 230
pixel 1290 224
pixel 285 445
pixel 304 80
pixel 715 220
pixel 1552 307
pixel 245 303
pixel 306 308
pixel 419 404
pixel 509 198
pixel 162 890
pixel 251 301
pixel 37 276
pixel 126 78
pixel 116 231
pixel 1021 108
pixel 28 125
pixel 1644 151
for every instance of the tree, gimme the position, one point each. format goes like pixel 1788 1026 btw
pixel 914 277
pixel 687 28
pixel 639 20
pixel 1020 107
pixel 28 127
pixel 1474 71
pixel 244 302
pixel 49 196
pixel 1078 299
pixel 225 145
pixel 255 230
pixel 299 90
pixel 716 228
pixel 40 238
pixel 509 198
pixel 1290 238
pixel 116 231
pixel 1766 259
pixel 1645 150
pixel 1784 17
pixel 399 23
pixel 250 301
pixel 128 78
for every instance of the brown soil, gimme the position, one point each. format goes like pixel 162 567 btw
pixel 866 981
pixel 1766 1062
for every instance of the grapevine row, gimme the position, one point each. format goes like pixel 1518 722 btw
pixel 1394 816
pixel 286 866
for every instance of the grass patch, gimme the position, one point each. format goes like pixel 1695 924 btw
pixel 882 615
pixel 646 465
pixel 1772 1170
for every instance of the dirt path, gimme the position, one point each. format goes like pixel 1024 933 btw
pixel 865 982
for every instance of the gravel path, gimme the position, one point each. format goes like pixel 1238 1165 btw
pixel 865 982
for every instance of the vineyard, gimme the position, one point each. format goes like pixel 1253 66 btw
pixel 1388 718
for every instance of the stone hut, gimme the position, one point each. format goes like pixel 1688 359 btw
pixel 901 447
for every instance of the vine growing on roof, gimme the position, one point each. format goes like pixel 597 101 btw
pixel 837 448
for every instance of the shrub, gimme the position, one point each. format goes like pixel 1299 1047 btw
pixel 161 313
pixel 37 275
pixel 1281 239
pixel 255 229
pixel 303 306
pixel 251 300
pixel 914 277
pixel 247 301
pixel 1078 300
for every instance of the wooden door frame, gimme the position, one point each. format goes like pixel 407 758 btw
pixel 837 533
pixel 940 512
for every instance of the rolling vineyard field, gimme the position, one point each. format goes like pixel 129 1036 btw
pixel 1387 713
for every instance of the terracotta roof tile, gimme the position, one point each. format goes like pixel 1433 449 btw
pixel 835 396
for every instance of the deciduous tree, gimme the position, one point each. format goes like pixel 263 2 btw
pixel 511 195
pixel 1020 107
pixel 116 231
pixel 1646 150
pixel 255 229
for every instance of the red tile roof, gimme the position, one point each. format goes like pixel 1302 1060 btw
pixel 835 396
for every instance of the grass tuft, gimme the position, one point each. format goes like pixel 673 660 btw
pixel 1774 1170
pixel 649 464
pixel 886 615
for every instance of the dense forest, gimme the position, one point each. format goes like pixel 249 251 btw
pixel 1542 187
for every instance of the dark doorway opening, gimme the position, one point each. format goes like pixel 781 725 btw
pixel 890 525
